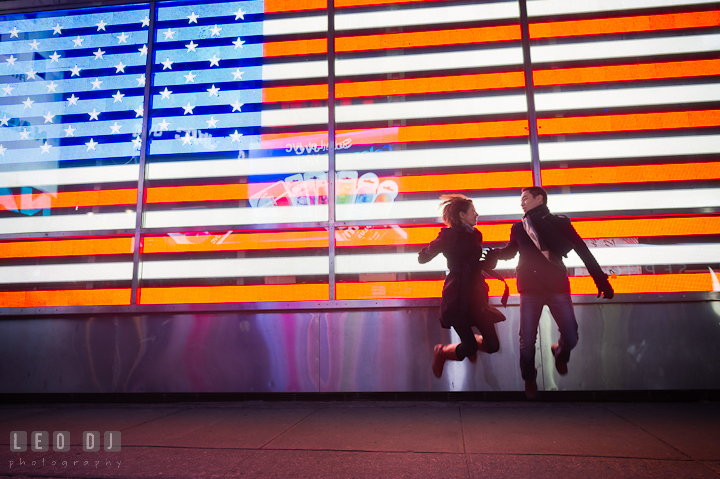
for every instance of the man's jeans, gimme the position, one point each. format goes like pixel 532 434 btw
pixel 531 306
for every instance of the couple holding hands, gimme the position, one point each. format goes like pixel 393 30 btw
pixel 542 239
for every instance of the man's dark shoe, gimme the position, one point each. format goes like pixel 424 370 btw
pixel 561 366
pixel 531 390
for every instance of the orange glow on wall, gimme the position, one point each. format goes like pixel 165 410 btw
pixel 631 174
pixel 276 6
pixel 74 247
pixel 71 199
pixel 234 294
pixel 631 122
pixel 69 297
pixel 295 47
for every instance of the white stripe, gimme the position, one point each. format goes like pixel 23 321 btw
pixel 236 167
pixel 292 71
pixel 617 97
pixel 487 105
pixel 289 26
pixel 437 157
pixel 85 222
pixel 631 148
pixel 567 7
pixel 235 216
pixel 236 268
pixel 429 61
pixel 69 176
pixel 625 48
pixel 294 116
pixel 426 16
pixel 56 273
pixel 618 256
pixel 559 203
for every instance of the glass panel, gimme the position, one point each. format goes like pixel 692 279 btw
pixel 430 99
pixel 83 271
pixel 239 115
pixel 235 267
pixel 70 118
pixel 628 121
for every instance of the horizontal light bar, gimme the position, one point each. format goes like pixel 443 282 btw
pixel 68 297
pixel 294 26
pixel 626 97
pixel 294 70
pixel 69 199
pixel 69 176
pixel 236 167
pixel 629 122
pixel 192 243
pixel 277 6
pixel 239 216
pixel 631 174
pixel 426 16
pixel 364 3
pixel 294 116
pixel 236 268
pixel 538 8
pixel 61 248
pixel 235 294
pixel 84 222
pixel 56 273
pixel 629 148
pixel 624 48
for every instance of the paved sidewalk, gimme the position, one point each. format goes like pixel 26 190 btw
pixel 373 439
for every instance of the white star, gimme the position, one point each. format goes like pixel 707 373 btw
pixel 24 135
pixel 48 117
pixel 237 74
pixel 141 80
pixel 238 43
pixel 137 142
pixel 120 68
pixel 167 64
pixel 236 106
pixel 45 148
pixel 235 137
pixel 139 111
pixel 75 71
pixel 57 29
pixel 91 144
pixel 118 97
pixel 11 60
pixel 99 54
pixel 101 25
pixel 2 150
pixel 115 129
pixel 145 22
pixel 240 15
pixel 213 91
pixel 169 34
pixel 165 94
pixel 31 74
pixel 69 131
pixel 8 89
pixel 4 120
pixel 215 31
pixel 193 18
pixel 191 46
pixel 96 84
pixel 93 114
pixel 187 139
pixel 164 125
pixel 188 109
pixel 73 100
pixel 122 38
pixel 14 32
pixel 190 78
pixel 212 122
pixel 214 61
pixel 28 103
pixel 54 57
pixel 51 87
pixel 34 45
pixel 78 41
pixel 143 50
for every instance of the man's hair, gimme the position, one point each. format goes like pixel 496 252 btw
pixel 453 205
pixel 536 191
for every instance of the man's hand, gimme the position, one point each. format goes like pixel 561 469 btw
pixel 605 290
pixel 491 259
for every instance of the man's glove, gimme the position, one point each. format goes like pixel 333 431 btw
pixel 605 289
pixel 491 259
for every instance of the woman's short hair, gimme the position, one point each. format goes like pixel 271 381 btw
pixel 453 205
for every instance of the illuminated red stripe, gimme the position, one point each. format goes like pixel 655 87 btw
pixel 631 174
pixel 69 199
pixel 463 181
pixel 276 6
pixel 630 284
pixel 179 194
pixel 645 23
pixel 74 247
pixel 295 47
pixel 70 297
pixel 236 242
pixel 631 122
pixel 364 3
pixel 235 294
pixel 649 227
